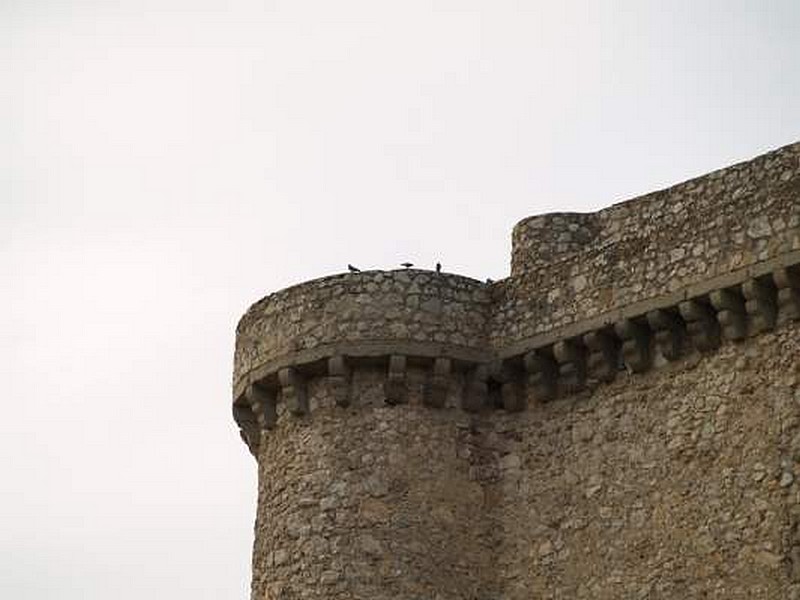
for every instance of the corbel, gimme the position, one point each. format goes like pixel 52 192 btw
pixel 510 393
pixel 702 326
pixel 635 338
pixel 602 361
pixel 395 387
pixel 669 331
pixel 542 375
pixel 787 281
pixel 730 313
pixel 571 358
pixel 439 383
pixel 340 379
pixel 263 405
pixel 293 391
pixel 760 305
pixel 477 392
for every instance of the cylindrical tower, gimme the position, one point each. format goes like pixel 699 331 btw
pixel 350 392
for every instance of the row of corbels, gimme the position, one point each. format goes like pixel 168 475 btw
pixel 293 387
pixel 566 366
pixel 630 344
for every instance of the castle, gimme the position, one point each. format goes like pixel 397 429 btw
pixel 619 418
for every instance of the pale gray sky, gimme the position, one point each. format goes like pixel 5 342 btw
pixel 165 163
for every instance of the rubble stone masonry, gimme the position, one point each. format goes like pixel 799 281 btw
pixel 620 418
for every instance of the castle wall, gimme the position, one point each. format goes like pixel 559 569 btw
pixel 679 483
pixel 620 418
pixel 569 267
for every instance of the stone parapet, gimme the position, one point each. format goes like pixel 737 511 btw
pixel 569 267
pixel 358 313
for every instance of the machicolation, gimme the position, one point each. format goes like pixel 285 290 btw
pixel 619 418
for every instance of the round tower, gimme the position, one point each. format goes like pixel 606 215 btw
pixel 351 392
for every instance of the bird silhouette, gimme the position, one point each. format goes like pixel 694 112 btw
pixel 407 265
pixel 353 269
pixel 438 267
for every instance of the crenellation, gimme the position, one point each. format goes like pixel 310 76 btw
pixel 423 434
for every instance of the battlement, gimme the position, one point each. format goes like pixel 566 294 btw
pixel 633 286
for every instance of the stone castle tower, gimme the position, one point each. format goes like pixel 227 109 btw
pixel 619 418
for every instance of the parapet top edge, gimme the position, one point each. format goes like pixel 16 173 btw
pixel 350 276
pixel 624 203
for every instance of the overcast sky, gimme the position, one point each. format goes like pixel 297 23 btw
pixel 165 163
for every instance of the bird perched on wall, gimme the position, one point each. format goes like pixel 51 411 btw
pixel 438 267
pixel 407 265
pixel 353 269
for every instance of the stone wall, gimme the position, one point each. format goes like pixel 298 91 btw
pixel 677 483
pixel 373 501
pixel 569 267
pixel 620 418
